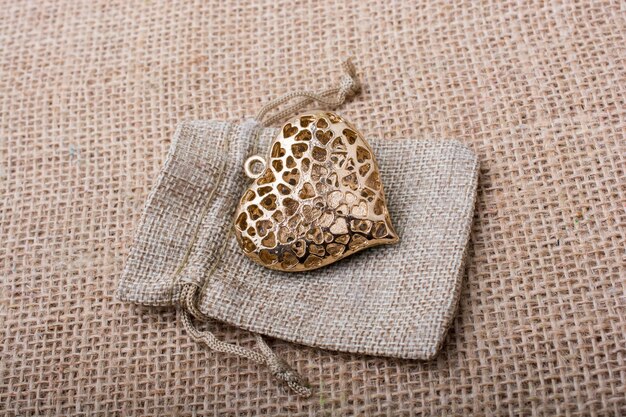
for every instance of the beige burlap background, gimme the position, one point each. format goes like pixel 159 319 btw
pixel 91 92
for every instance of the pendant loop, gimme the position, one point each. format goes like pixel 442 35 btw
pixel 249 165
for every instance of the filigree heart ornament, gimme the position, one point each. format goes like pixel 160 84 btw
pixel 317 198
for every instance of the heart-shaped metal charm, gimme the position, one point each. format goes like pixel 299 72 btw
pixel 316 199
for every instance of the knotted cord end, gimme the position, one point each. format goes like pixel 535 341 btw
pixel 278 367
pixel 281 370
pixel 348 86
pixel 350 83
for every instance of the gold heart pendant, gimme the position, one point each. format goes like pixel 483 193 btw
pixel 316 199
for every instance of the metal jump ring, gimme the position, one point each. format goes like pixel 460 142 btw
pixel 247 166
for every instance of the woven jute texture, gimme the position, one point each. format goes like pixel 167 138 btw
pixel 90 95
pixel 394 300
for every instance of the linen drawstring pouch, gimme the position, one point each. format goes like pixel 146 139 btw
pixel 396 300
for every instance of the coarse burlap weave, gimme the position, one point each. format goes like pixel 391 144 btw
pixel 394 300
pixel 90 94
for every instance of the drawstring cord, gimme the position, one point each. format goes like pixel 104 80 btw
pixel 265 356
pixel 348 86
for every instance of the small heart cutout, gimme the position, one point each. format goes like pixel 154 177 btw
pixel 319 198
pixel 289 130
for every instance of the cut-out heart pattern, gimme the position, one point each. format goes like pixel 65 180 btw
pixel 319 198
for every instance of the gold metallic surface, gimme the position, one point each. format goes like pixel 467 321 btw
pixel 318 199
